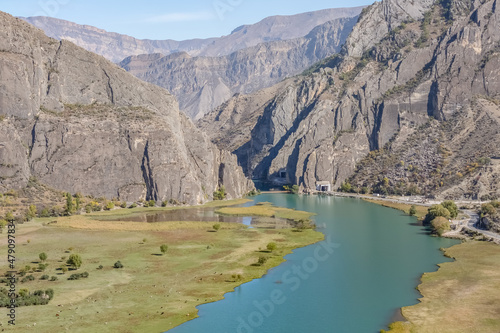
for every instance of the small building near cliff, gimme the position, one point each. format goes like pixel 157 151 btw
pixel 323 186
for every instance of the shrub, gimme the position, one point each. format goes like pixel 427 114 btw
pixel 440 225
pixel 42 267
pixel 75 261
pixel 100 267
pixel 134 205
pixel 262 260
pixel 271 246
pixel 151 203
pixel 413 210
pixel 220 194
pixel 346 187
pixel 44 277
pixel 118 264
pixel 294 189
pixel 42 256
pixel 28 278
pixel 164 203
pixel 110 205
pixel 164 248
pixel 488 209
pixel 123 205
pixel 53 278
pixel 216 227
pixel 78 276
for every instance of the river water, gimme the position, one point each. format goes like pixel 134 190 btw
pixel 355 281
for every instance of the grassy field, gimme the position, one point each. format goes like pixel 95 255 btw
pixel 153 292
pixel 421 210
pixel 267 210
pixel 462 296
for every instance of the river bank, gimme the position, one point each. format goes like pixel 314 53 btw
pixel 152 292
pixel 462 296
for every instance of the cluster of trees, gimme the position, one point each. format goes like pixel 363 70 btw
pixel 25 298
pixel 438 216
pixel 490 209
pixel 294 189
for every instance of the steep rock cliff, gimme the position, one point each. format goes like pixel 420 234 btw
pixel 79 123
pixel 402 64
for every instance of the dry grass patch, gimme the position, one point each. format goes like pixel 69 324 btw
pixel 462 296
pixel 267 210
pixel 152 292
pixel 421 210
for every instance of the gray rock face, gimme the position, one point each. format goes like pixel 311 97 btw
pixel 116 47
pixel 203 83
pixel 321 126
pixel 81 124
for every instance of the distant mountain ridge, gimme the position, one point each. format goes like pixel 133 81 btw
pixel 201 84
pixel 116 47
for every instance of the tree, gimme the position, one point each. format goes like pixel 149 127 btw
pixel 346 187
pixel 488 209
pixel 452 208
pixel 220 194
pixel 69 209
pixel 272 246
pixel 164 248
pixel 75 261
pixel 42 256
pixel 78 201
pixel 262 261
pixel 31 213
pixel 216 227
pixel 436 211
pixel 413 210
pixel 440 225
pixel 294 189
pixel 151 203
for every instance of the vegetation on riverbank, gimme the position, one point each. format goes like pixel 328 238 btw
pixel 199 267
pixel 420 211
pixel 462 296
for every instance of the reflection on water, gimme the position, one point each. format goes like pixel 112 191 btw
pixel 185 215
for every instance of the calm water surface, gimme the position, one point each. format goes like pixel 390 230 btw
pixel 355 281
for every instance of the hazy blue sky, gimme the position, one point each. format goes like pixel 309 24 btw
pixel 163 19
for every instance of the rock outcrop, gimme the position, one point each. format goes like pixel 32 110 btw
pixel 79 123
pixel 203 83
pixel 403 65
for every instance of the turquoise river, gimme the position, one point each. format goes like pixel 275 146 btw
pixel 355 281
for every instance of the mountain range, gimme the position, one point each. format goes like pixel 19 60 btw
pixel 411 105
pixel 203 74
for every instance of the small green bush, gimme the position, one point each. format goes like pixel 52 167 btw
pixel 118 264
